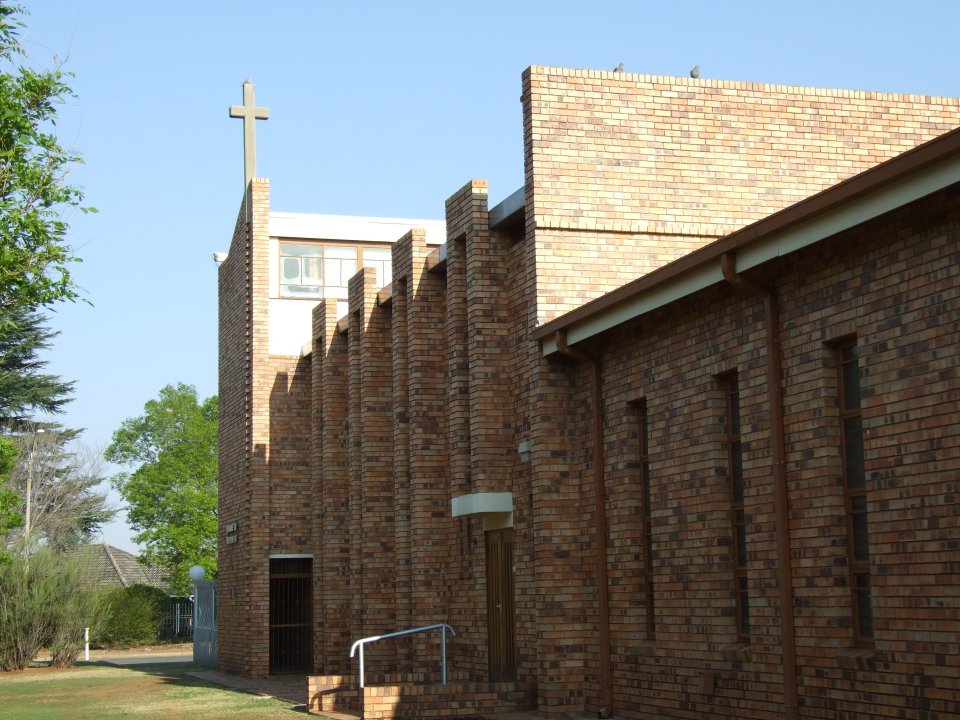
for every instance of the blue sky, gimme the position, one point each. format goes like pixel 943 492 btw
pixel 376 108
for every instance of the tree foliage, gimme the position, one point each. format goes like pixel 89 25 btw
pixel 133 616
pixel 11 501
pixel 44 603
pixel 66 506
pixel 172 493
pixel 35 259
pixel 24 387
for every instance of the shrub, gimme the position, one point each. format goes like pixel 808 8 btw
pixel 43 602
pixel 132 616
pixel 79 609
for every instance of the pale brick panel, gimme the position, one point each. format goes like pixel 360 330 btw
pixel 685 159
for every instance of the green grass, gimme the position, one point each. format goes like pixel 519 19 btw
pixel 143 692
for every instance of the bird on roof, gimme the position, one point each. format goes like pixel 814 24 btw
pixel 618 68
pixel 695 73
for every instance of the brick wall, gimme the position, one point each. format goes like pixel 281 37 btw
pixel 333 612
pixel 893 283
pixel 233 440
pixel 243 440
pixel 418 311
pixel 625 170
pixel 263 444
pixel 355 453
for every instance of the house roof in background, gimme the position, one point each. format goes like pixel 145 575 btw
pixel 112 566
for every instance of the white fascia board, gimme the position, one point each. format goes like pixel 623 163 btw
pixel 852 213
pixel 484 502
pixel 352 228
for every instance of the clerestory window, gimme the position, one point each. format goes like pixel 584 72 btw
pixel 318 270
pixel 855 490
pixel 738 551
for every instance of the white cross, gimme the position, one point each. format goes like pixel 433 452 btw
pixel 250 113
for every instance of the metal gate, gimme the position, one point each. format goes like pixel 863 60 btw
pixel 291 615
pixel 205 623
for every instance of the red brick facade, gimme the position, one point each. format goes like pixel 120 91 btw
pixel 426 393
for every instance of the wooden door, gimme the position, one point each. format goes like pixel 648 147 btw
pixel 500 613
pixel 291 615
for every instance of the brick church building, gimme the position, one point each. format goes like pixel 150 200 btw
pixel 670 432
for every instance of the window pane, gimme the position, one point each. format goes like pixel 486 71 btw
pixel 310 291
pixel 736 468
pixel 371 255
pixel 312 271
pixel 348 268
pixel 384 274
pixel 741 530
pixel 851 386
pixel 301 250
pixel 332 276
pixel 851 352
pixel 291 270
pixel 853 448
pixel 340 253
pixel 644 430
pixel 734 408
pixel 858 518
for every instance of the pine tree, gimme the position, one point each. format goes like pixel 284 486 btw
pixel 24 388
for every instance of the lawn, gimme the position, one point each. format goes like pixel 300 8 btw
pixel 144 692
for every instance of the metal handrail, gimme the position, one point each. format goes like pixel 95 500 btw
pixel 443 627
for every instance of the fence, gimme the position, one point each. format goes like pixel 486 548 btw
pixel 177 624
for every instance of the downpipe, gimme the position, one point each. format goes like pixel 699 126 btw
pixel 779 455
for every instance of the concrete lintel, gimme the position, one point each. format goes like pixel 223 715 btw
pixel 482 502
pixel 352 228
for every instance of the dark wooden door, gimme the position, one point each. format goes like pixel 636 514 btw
pixel 500 613
pixel 291 615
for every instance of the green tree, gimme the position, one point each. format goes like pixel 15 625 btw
pixel 172 493
pixel 11 501
pixel 24 387
pixel 35 258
